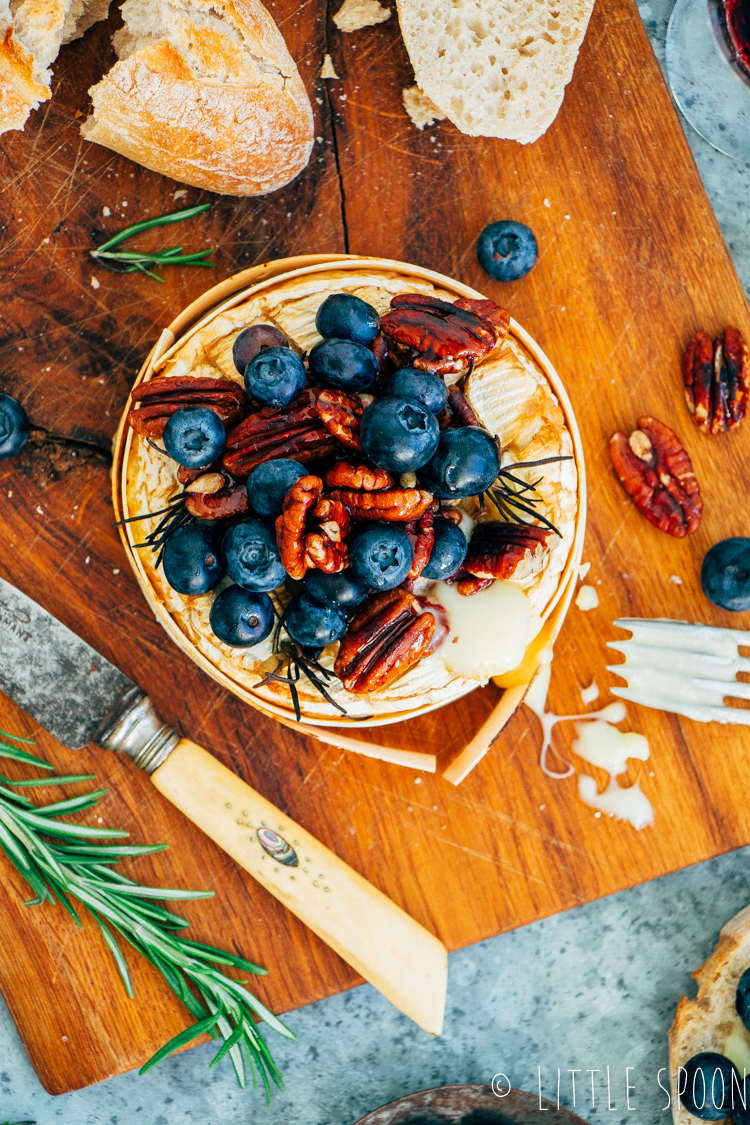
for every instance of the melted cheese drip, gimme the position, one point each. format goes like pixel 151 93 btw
pixel 489 631
pixel 599 743
pixel 737 1046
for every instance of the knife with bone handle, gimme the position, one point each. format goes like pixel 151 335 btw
pixel 683 668
pixel 79 697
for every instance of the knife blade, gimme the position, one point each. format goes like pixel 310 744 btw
pixel 80 697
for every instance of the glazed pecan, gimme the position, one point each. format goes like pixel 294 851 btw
pixel 402 504
pixel 304 544
pixel 225 503
pixel 349 474
pixel 387 637
pixel 459 407
pixel 207 483
pixel 471 585
pixel 341 414
pixel 293 431
pixel 326 548
pixel 504 550
pixel 716 375
pixel 657 473
pixel 453 515
pixel 421 532
pixel 291 525
pixel 442 337
pixel 160 398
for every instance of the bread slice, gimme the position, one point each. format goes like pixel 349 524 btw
pixel 497 68
pixel 710 1022
pixel 205 92
pixel 31 34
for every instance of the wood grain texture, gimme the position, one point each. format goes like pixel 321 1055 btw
pixel 631 264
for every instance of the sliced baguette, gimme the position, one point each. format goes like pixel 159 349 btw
pixel 710 1022
pixel 496 68
pixel 31 34
pixel 205 92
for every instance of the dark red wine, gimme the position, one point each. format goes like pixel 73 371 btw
pixel 737 17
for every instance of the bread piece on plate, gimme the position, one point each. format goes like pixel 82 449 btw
pixel 496 68
pixel 710 1022
pixel 205 92
pixel 31 34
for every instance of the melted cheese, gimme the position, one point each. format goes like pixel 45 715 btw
pixel 489 631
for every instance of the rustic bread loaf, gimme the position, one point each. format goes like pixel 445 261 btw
pixel 710 1022
pixel 496 68
pixel 205 92
pixel 31 34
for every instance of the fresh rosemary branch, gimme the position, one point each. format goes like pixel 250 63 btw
pixel 75 865
pixel 128 261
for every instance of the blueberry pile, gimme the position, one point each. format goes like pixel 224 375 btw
pixel 14 427
pixel 385 418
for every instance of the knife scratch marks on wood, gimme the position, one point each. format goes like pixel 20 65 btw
pixel 505 866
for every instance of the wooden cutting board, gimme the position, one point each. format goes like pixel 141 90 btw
pixel 631 264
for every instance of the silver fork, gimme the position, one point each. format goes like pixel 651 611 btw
pixel 683 668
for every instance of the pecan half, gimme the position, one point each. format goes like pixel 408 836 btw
pixel 223 504
pixel 471 585
pixel 402 504
pixel 386 638
pixel 326 548
pixel 716 374
pixel 341 414
pixel 160 398
pixel 506 550
pixel 293 431
pixel 348 474
pixel 657 474
pixel 421 532
pixel 291 525
pixel 442 337
pixel 459 407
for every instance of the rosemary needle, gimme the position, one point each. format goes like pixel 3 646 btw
pixel 67 863
pixel 129 261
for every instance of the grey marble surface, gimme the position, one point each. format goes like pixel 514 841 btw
pixel 590 989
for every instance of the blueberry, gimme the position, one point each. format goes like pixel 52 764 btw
pixel 251 340
pixel 241 619
pixel 347 318
pixel 399 434
pixel 426 388
pixel 313 625
pixel 466 462
pixel 381 556
pixel 275 377
pixel 194 437
pixel 14 427
pixel 705 1084
pixel 725 574
pixel 341 363
pixel 192 565
pixel 448 551
pixel 742 1000
pixel 269 483
pixel 507 250
pixel 336 589
pixel 251 557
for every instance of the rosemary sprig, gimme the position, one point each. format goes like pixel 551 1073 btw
pixel 129 261
pixel 74 865
pixel 511 495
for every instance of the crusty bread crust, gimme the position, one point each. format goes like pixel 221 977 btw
pixel 19 91
pixel 496 68
pixel 705 1023
pixel 230 114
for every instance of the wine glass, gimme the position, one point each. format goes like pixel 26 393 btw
pixel 708 66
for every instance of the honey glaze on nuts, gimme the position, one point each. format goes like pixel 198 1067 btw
pixel 324 436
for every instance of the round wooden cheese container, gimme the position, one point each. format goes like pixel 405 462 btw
pixel 236 290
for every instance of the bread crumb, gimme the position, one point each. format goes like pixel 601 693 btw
pixel 356 14
pixel 419 107
pixel 180 194
pixel 587 598
pixel 328 70
pixel 676 580
pixel 95 283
